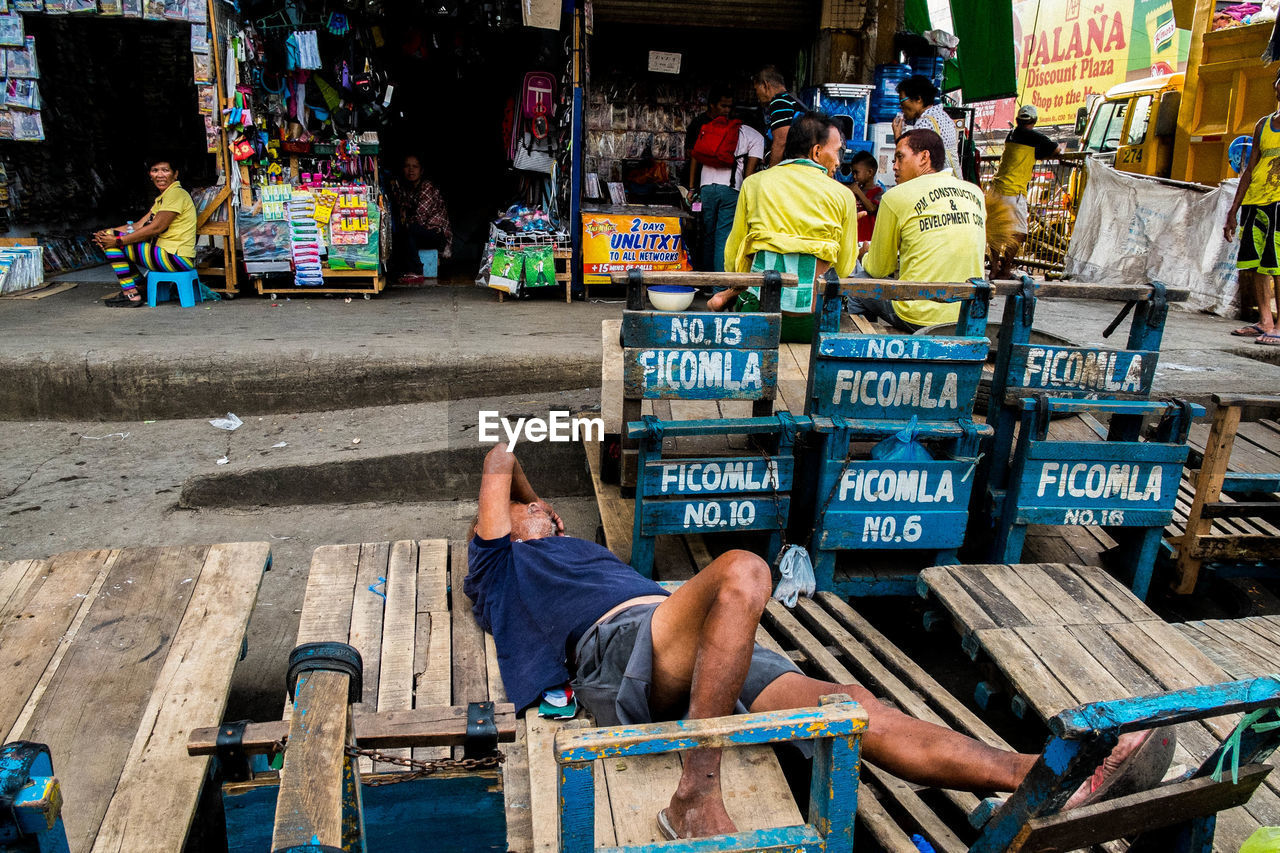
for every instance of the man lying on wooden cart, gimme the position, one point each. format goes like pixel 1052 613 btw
pixel 567 610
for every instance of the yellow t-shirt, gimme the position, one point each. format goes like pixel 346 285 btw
pixel 1264 186
pixel 794 208
pixel 931 228
pixel 180 237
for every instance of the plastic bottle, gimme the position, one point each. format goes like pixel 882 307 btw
pixel 128 227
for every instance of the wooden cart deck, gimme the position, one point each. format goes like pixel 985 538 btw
pixel 109 656
pixel 1065 635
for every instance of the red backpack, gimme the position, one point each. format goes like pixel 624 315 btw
pixel 717 143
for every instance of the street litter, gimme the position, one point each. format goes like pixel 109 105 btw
pixel 280 444
pixel 121 435
pixel 229 423
pixel 223 461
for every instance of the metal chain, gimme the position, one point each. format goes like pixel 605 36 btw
pixel 418 768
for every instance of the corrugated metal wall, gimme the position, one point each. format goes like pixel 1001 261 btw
pixel 756 14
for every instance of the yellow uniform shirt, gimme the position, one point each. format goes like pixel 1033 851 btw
pixel 1264 186
pixel 794 208
pixel 931 228
pixel 180 237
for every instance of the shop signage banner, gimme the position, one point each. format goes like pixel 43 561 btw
pixel 1067 50
pixel 614 242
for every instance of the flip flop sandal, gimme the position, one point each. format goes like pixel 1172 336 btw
pixel 128 303
pixel 1141 768
pixel 1270 339
pixel 116 300
pixel 667 827
pixel 1249 331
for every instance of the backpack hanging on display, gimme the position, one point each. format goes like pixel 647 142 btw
pixel 717 143
pixel 531 144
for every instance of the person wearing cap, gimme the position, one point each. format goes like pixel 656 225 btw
pixel 1022 148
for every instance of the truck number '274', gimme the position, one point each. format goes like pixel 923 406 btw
pixel 884 528
pixel 714 514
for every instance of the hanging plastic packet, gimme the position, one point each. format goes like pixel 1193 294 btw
pixel 796 571
pixel 902 446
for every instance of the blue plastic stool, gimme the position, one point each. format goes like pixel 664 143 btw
pixel 184 282
pixel 430 262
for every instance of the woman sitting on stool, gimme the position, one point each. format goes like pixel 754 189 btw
pixel 421 221
pixel 164 242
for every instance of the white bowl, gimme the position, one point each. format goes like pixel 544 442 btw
pixel 671 297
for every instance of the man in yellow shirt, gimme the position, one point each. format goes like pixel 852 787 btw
pixel 930 227
pixel 795 219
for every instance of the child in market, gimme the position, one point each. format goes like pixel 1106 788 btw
pixel 867 190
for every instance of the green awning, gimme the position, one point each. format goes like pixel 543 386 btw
pixel 984 63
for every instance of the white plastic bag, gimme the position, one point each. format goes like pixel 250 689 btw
pixel 797 578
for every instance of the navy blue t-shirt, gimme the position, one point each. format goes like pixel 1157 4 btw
pixel 533 596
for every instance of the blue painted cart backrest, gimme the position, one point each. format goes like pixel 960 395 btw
pixel 892 377
pixel 712 494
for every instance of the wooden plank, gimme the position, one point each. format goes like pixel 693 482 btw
pixel 944 585
pixel 611 376
pixel 433 635
pixel 1239 644
pixel 544 790
pixel 45 599
pixel 699 374
pixel 326 605
pixel 1098 608
pixel 72 632
pixel 155 799
pixel 309 802
pixel 114 664
pixel 433 575
pixel 981 589
pixel 755 791
pixel 1027 674
pixel 1148 810
pixel 470 674
pixel 15 576
pixel 616 514
pixel 395 679
pixel 1084 677
pixel 1240 547
pixel 435 724
pixel 1028 601
pixel 1208 490
pixel 497 692
pixel 515 792
pixel 957 715
pixel 938 834
pixel 368 606
pixel 1119 596
pixel 1064 605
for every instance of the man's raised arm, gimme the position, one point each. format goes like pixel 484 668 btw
pixel 502 482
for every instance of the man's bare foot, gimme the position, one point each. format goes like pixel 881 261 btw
pixel 721 300
pixel 697 817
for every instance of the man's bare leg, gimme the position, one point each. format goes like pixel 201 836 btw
pixel 1266 288
pixel 703 636
pixel 909 748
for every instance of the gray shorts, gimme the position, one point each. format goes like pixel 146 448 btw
pixel 615 669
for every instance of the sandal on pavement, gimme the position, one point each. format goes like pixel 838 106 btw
pixel 1249 331
pixel 667 827
pixel 128 303
pixel 117 299
pixel 1268 339
pixel 1136 763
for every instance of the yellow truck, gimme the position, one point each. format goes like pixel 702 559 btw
pixel 1180 125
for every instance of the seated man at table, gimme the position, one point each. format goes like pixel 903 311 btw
pixel 566 610
pixel 794 218
pixel 931 226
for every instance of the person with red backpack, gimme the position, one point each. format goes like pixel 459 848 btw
pixel 724 154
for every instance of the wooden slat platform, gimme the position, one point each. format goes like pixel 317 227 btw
pixel 110 657
pixel 455 662
pixel 1063 635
